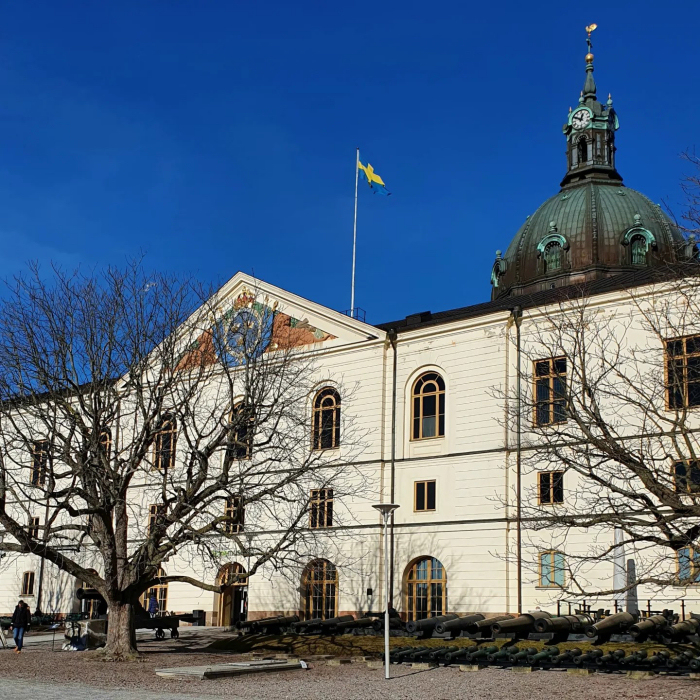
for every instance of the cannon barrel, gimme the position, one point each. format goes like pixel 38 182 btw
pixel 588 658
pixel 613 624
pixel 429 623
pixel 459 653
pixel 650 625
pixel 481 625
pixel 458 624
pixel 409 652
pixel 359 622
pixel 333 621
pixel 437 654
pixel 313 622
pixel 694 664
pixel 682 659
pixel 522 655
pixel 503 654
pixel 395 653
pixel 612 658
pixel 276 621
pixel 482 652
pixel 544 655
pixel 566 656
pixel 659 659
pixel 563 623
pixel 679 631
pixel 422 654
pixel 634 658
pixel 519 625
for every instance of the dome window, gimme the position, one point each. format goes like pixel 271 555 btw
pixel 552 257
pixel 640 241
pixel 638 250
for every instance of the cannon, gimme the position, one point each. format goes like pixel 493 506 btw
pixel 267 623
pixel 565 623
pixel 634 659
pixel 544 656
pixel 460 655
pixel 396 653
pixel 520 626
pixel 694 664
pixel 658 659
pixel 588 658
pixel 681 660
pixel 318 624
pixel 641 630
pixel 458 624
pixel 613 657
pixel 484 627
pixel 426 626
pixel 517 657
pixel 502 655
pixel 482 653
pixel 679 631
pixel 439 654
pixel 360 623
pixel 306 624
pixel 613 624
pixel 567 656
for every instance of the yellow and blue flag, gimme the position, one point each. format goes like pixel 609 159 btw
pixel 375 182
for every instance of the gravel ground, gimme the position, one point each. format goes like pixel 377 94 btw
pixel 351 682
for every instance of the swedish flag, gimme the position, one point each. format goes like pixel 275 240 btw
pixel 375 182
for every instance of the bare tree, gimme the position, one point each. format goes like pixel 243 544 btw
pixel 145 418
pixel 691 188
pixel 609 408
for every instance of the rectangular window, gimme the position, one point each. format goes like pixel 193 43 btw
pixel 28 583
pixel 164 449
pixel 551 569
pixel 550 391
pixel 683 372
pixel 424 496
pixel 551 487
pixel 33 527
pixel 321 508
pixel 688 566
pixel 687 477
pixel 234 513
pixel 40 462
pixel 156 514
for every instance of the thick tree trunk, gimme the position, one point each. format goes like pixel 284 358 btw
pixel 121 634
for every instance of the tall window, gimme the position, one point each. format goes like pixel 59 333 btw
pixel 638 250
pixel 426 589
pixel 688 565
pixel 166 440
pixel 552 256
pixel 33 527
pixel 687 477
pixel 551 569
pixel 321 508
pixel 156 515
pixel 320 586
pixel 234 512
pixel 428 407
pixel 326 419
pixel 424 496
pixel 683 372
pixel 160 590
pixel 550 487
pixel 582 147
pixel 28 583
pixel 40 462
pixel 550 391
pixel 242 424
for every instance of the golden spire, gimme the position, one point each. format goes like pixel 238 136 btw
pixel 589 30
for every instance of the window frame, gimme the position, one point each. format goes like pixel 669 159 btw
pixel 552 400
pixel 33 526
pixel 425 483
pixel 553 553
pixel 692 468
pixel 693 563
pixel 166 426
pixel 155 511
pixel 684 384
pixel 311 598
pixel 161 591
pixel 242 447
pixel 440 403
pixel 319 413
pixel 234 512
pixel 430 582
pixel 41 460
pixel 319 501
pixel 28 577
pixel 552 475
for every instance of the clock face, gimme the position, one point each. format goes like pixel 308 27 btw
pixel 580 119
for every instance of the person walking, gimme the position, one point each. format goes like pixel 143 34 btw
pixel 20 624
pixel 153 605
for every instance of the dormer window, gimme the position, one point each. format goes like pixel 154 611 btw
pixel 638 250
pixel 639 241
pixel 552 256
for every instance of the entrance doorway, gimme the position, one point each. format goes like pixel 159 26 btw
pixel 233 599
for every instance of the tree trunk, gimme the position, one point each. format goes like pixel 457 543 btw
pixel 121 634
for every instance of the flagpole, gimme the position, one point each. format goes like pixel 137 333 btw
pixel 354 236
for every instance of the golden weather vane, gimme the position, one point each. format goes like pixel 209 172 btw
pixel 589 30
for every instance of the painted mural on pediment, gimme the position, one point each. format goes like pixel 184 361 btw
pixel 246 328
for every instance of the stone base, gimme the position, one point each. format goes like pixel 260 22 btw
pixel 522 669
pixel 694 676
pixel 375 664
pixel 641 675
pixel 338 662
pixel 423 665
pixel 580 671
pixel 469 668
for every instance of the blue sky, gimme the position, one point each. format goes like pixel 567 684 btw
pixel 219 136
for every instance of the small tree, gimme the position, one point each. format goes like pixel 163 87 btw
pixel 145 417
pixel 609 398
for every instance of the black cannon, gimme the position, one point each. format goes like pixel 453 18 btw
pixel 407 654
pixel 523 655
pixel 485 627
pixel 481 653
pixel 439 654
pixel 613 657
pixel 269 624
pixel 458 624
pixel 395 654
pixel 680 660
pixel 317 624
pixel 520 626
pixel 502 655
pixel 634 659
pixel 544 656
pixel 360 623
pixel 659 659
pixel 425 627
pixel 588 658
pixel 574 624
pixel 613 624
pixel 459 656
pixel 567 657
pixel 680 631
pixel 648 626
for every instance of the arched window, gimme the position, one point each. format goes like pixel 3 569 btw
pixel 426 589
pixel 160 591
pixel 232 601
pixel 428 407
pixel 242 429
pixel 319 584
pixel 582 147
pixel 638 250
pixel 326 419
pixel 166 439
pixel 552 257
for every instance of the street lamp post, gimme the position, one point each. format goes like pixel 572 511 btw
pixel 386 509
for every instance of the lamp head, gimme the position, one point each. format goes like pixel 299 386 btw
pixel 385 508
